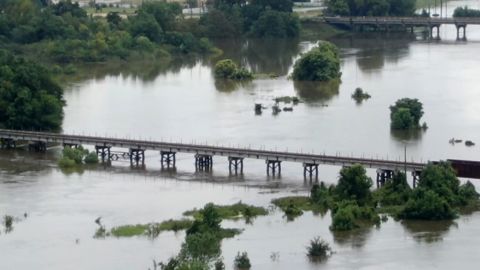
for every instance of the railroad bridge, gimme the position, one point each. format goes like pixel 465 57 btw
pixel 385 23
pixel 203 154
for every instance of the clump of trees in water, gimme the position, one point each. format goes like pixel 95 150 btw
pixel 466 12
pixel 29 97
pixel 371 7
pixel 406 114
pixel 321 63
pixel 227 69
pixel 256 18
pixel 72 157
pixel 438 196
pixel 242 262
pixel 359 95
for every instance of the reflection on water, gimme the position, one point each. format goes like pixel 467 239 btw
pixel 355 239
pixel 317 92
pixel 407 135
pixel 428 231
pixel 374 50
pixel 226 86
pixel 261 56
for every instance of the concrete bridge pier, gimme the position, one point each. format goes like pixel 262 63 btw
pixel 8 143
pixel 383 176
pixel 137 156
pixel 416 178
pixel 203 162
pixel 38 146
pixel 168 158
pixel 310 169
pixel 273 166
pixel 103 152
pixel 462 27
pixel 235 164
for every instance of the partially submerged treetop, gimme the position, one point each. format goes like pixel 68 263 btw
pixel 321 63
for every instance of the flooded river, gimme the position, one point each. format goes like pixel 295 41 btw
pixel 183 102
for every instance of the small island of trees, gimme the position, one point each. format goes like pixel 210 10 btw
pixel 321 63
pixel 406 113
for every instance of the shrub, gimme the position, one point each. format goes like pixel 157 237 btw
pixel 91 158
pixel 66 162
pixel 242 262
pixel 343 220
pixel 8 222
pixel 318 249
pixel 227 69
pixel 359 95
pixel 427 205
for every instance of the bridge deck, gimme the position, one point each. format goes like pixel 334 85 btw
pixel 208 150
pixel 405 21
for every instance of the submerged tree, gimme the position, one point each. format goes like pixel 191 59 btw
pixel 321 63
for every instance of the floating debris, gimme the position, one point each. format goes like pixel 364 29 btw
pixel 276 109
pixel 258 108
pixel 287 99
pixel 288 109
pixel 469 143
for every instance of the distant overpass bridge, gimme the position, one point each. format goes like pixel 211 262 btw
pixel 385 23
pixel 204 154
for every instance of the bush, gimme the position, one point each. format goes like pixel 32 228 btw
pixel 320 195
pixel 395 192
pixel 427 205
pixel 359 95
pixel 322 63
pixel 466 12
pixel 318 249
pixel 66 162
pixel 343 220
pixel 8 222
pixel 91 158
pixel 242 262
pixel 227 69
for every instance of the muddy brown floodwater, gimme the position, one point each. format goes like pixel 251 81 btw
pixel 182 102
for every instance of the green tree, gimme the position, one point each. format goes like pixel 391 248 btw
pixel 113 18
pixel 321 63
pixel 354 184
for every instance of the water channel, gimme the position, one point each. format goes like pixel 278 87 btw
pixel 183 102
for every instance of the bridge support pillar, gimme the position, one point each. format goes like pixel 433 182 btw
pixel 273 166
pixel 103 152
pixel 416 178
pixel 168 158
pixel 235 164
pixel 383 176
pixel 38 146
pixel 137 156
pixel 462 27
pixel 432 29
pixel 203 162
pixel 310 169
pixel 8 143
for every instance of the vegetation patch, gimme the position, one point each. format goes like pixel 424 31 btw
pixel 72 157
pixel 242 262
pixel 234 211
pixel 371 8
pixel 151 229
